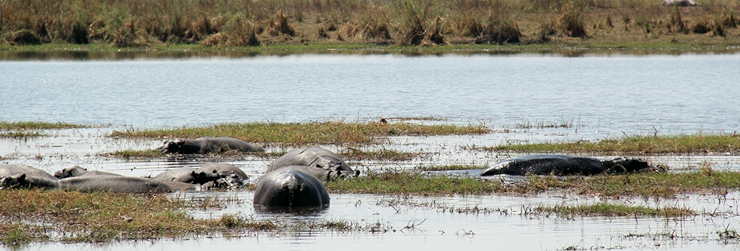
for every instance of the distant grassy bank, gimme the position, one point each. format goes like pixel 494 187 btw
pixel 307 133
pixel 355 23
pixel 692 144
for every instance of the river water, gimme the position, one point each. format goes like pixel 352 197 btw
pixel 598 96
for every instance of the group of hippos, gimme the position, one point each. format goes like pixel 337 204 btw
pixel 295 180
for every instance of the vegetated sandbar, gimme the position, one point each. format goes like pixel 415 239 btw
pixel 690 144
pixel 37 125
pixel 351 24
pixel 307 133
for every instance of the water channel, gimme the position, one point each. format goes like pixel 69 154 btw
pixel 598 96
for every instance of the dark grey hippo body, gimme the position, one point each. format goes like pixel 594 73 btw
pixel 186 175
pixel 209 145
pixel 322 163
pixel 115 184
pixel 28 181
pixel 77 171
pixel 564 165
pixel 13 170
pixel 229 175
pixel 290 187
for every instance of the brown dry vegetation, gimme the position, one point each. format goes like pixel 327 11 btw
pixel 129 23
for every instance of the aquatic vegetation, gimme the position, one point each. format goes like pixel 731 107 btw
pixel 414 183
pixel 611 210
pixel 697 143
pixel 306 133
pixel 31 125
pixel 449 167
pixel 20 135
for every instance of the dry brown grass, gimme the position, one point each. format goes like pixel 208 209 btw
pixel 405 22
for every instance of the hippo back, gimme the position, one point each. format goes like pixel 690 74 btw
pixel 324 164
pixel 290 187
pixel 547 165
pixel 229 175
pixel 11 170
pixel 77 171
pixel 28 181
pixel 220 144
pixel 186 175
pixel 115 184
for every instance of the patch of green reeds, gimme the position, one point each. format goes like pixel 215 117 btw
pixel 661 184
pixel 306 133
pixel 30 125
pixel 414 183
pixel 380 154
pixel 21 135
pixel 698 143
pixel 38 215
pixel 450 167
pixel 610 210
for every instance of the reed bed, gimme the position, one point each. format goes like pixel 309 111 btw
pixel 306 133
pixel 695 144
pixel 147 23
pixel 30 125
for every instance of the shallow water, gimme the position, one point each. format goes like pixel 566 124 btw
pixel 599 97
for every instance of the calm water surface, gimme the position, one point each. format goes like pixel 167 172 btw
pixel 611 94
pixel 599 96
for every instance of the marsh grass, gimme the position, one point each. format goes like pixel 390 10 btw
pixel 31 125
pixel 380 154
pixel 662 184
pixel 449 167
pixel 698 143
pixel 414 183
pixel 306 133
pixel 152 23
pixel 35 215
pixel 610 210
pixel 21 135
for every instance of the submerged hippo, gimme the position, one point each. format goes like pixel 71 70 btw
pixel 564 165
pixel 92 183
pixel 208 145
pixel 228 175
pixel 77 171
pixel 290 187
pixel 186 175
pixel 115 184
pixel 322 163
pixel 680 3
pixel 13 170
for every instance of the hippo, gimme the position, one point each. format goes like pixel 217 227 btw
pixel 114 184
pixel 91 183
pixel 229 175
pixel 77 171
pixel 290 187
pixel 564 165
pixel 204 145
pixel 680 3
pixel 186 175
pixel 28 181
pixel 12 170
pixel 322 163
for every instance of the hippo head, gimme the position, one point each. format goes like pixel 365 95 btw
pixel 332 168
pixel 14 181
pixel 70 172
pixel 627 165
pixel 203 177
pixel 172 146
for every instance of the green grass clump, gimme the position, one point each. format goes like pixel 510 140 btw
pixel 380 154
pixel 32 215
pixel 306 133
pixel 611 210
pixel 450 167
pixel 414 183
pixel 30 125
pixel 699 143
pixel 661 184
pixel 21 135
